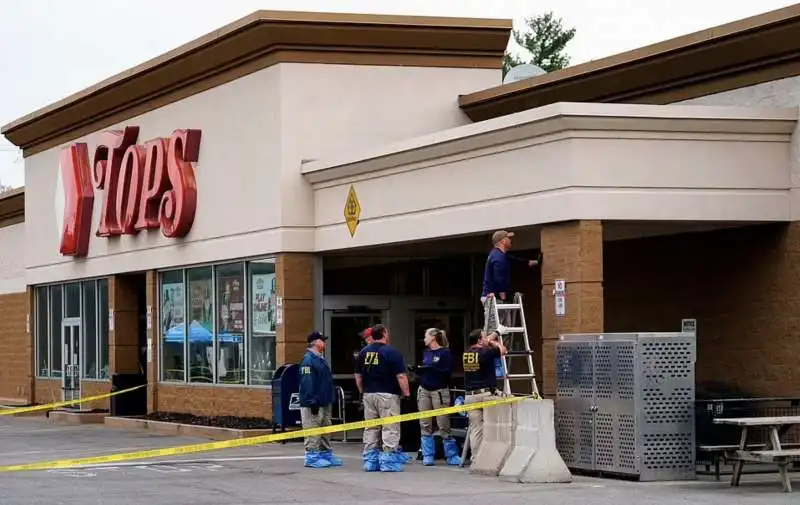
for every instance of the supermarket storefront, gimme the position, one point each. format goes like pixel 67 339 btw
pixel 193 219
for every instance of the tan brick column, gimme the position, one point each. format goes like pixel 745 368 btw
pixel 154 341
pixel 295 275
pixel 573 251
pixel 123 339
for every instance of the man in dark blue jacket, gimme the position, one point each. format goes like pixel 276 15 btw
pixel 316 397
pixel 497 273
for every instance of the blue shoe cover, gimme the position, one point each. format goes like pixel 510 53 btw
pixel 371 461
pixel 390 462
pixel 404 458
pixel 315 460
pixel 428 450
pixel 333 460
pixel 451 452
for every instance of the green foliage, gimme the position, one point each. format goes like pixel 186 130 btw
pixel 544 39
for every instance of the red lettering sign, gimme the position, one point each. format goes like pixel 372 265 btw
pixel 78 200
pixel 145 186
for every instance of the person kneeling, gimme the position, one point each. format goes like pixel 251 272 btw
pixel 316 397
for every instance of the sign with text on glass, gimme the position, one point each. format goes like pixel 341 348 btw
pixel 264 302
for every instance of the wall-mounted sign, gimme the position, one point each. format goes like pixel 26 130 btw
pixel 560 294
pixel 145 186
pixel 352 211
pixel 689 326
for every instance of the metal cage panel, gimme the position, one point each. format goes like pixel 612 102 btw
pixel 625 404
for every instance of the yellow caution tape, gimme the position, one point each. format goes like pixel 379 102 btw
pixel 51 406
pixel 263 439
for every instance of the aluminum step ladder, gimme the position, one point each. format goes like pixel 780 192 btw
pixel 515 339
pixel 508 320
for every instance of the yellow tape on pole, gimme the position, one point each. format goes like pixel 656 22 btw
pixel 243 442
pixel 51 406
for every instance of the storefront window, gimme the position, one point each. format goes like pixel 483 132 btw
pixel 201 324
pixel 263 298
pixel 90 330
pixel 56 315
pixel 173 326
pixel 230 291
pixel 220 326
pixel 42 329
pixel 102 316
pixel 72 299
pixel 86 301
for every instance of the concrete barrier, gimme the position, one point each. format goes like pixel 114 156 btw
pixel 546 465
pixel 498 440
pixel 526 440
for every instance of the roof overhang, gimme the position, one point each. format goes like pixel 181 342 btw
pixel 12 207
pixel 255 42
pixel 548 120
pixel 757 49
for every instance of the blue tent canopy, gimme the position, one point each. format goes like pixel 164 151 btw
pixel 198 334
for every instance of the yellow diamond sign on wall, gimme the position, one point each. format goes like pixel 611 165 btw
pixel 352 211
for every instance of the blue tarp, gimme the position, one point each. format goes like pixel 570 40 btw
pixel 198 334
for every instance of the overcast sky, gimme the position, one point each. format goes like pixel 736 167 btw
pixel 53 48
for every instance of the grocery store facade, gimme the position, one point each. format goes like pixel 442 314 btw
pixel 192 219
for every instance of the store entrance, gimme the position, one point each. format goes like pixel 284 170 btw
pixel 344 328
pixel 70 360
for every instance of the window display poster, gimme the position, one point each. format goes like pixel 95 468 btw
pixel 200 302
pixel 231 304
pixel 172 306
pixel 263 310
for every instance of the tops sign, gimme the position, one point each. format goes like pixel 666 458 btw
pixel 146 186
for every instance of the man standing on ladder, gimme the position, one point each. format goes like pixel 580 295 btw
pixel 497 272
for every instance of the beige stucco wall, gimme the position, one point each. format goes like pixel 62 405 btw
pixel 563 162
pixel 329 108
pixel 782 93
pixel 252 197
pixel 12 259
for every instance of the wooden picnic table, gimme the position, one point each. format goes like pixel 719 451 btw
pixel 772 453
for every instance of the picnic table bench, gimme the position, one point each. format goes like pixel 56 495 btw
pixel 773 452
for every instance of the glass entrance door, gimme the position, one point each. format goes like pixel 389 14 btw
pixel 70 359
pixel 344 330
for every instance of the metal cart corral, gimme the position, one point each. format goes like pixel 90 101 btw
pixel 625 404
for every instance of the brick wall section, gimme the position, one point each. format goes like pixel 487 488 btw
pixel 572 251
pixel 295 274
pixel 215 400
pixel 94 388
pixel 740 284
pixel 123 339
pixel 16 360
pixel 154 336
pixel 47 391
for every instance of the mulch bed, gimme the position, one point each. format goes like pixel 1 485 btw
pixel 238 423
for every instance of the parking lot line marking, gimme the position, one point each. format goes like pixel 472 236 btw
pixel 193 461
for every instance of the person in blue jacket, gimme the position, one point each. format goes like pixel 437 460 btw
pixel 434 393
pixel 316 397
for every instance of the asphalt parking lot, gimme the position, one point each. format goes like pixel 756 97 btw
pixel 274 474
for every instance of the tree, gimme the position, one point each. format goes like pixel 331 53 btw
pixel 544 39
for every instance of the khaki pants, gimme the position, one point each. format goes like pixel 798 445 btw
pixel 323 418
pixel 378 406
pixel 506 316
pixel 432 400
pixel 476 421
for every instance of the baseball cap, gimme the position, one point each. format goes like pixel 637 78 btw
pixel 316 336
pixel 367 333
pixel 500 235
